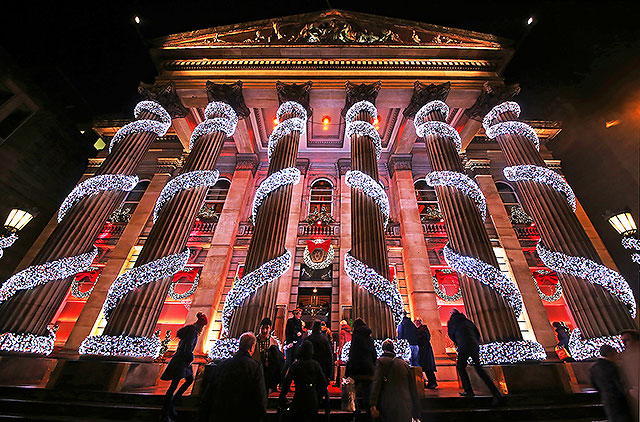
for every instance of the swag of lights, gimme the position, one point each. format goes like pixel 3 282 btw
pixel 283 177
pixel 461 182
pixel 160 127
pixel 582 349
pixel 363 182
pixel 544 175
pixel 184 181
pixel 400 347
pixel 510 127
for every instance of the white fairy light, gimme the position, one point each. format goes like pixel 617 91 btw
pixel 212 125
pixel 36 275
pixel 517 128
pixel 182 296
pixel 251 282
pixel 635 257
pixel 359 107
pixel 306 256
pixel 627 243
pixel 421 116
pixel 544 175
pixel 144 274
pixel 184 181
pixel 122 345
pixel 292 107
pixel 160 128
pixel 362 128
pixel 367 278
pixel 487 274
pixel 223 348
pixel 400 347
pixel 216 109
pixel 508 352
pixel 6 242
pixel 29 343
pixel 283 129
pixel 507 106
pixel 362 181
pixel 582 349
pixel 286 176
pixel 590 271
pixel 461 182
pixel 96 184
pixel 437 128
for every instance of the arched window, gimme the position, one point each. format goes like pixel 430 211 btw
pixel 321 196
pixel 507 194
pixel 214 201
pixel 427 201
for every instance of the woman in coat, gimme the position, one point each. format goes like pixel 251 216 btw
pixel 321 349
pixel 425 354
pixel 362 360
pixel 311 387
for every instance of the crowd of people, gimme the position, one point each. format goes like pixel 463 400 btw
pixel 385 387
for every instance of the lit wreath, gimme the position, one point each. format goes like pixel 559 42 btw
pixel 318 265
pixel 548 298
pixel 182 296
pixel 442 294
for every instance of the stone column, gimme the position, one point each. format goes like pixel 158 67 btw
pixel 422 295
pixel 546 197
pixel 345 298
pixel 268 240
pixel 32 310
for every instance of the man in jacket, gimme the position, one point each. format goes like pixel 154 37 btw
pixel 267 353
pixel 426 357
pixel 321 349
pixel 292 336
pixel 407 331
pixel 606 379
pixel 361 363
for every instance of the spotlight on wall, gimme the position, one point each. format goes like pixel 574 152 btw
pixel 15 222
pixel 623 223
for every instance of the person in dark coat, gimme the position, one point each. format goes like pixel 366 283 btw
pixel 606 379
pixel 361 363
pixel 267 353
pixel 562 332
pixel 465 335
pixel 179 366
pixel 238 386
pixel 310 387
pixel 425 354
pixel 394 396
pixel 293 336
pixel 321 349
pixel 407 331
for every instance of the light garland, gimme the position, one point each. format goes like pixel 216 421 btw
pixel 251 282
pixel 507 106
pixel 400 347
pixel 435 127
pixel 359 107
pixel 184 181
pixel 362 181
pixel 6 242
pixel 218 109
pixel 306 256
pixel 29 343
pixel 487 274
pixel 635 257
pixel 223 348
pixel 144 274
pixel 362 128
pixel 96 184
pixel 528 172
pixel 135 347
pixel 582 349
pixel 421 116
pixel 590 271
pixel 36 275
pixel 461 182
pixel 383 289
pixel 508 352
pixel 160 127
pixel 182 296
pixel 549 298
pixel 212 125
pixel 514 128
pixel 75 289
pixel 292 107
pixel 442 294
pixel 627 243
pixel 283 129
pixel 286 176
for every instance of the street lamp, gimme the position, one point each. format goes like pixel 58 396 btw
pixel 15 222
pixel 625 225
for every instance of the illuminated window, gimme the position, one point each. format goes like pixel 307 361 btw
pixel 427 201
pixel 321 196
pixel 507 194
pixel 214 201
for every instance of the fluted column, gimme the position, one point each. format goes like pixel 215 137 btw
pixel 547 198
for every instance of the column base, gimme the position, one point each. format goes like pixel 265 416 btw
pixel 26 370
pixel 523 378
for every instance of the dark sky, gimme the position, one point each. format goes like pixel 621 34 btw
pixel 578 63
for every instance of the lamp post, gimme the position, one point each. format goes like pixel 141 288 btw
pixel 625 225
pixel 15 222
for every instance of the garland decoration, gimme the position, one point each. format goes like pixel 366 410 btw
pixel 358 108
pixel 227 123
pixel 182 296
pixel 590 271
pixel 506 107
pixel 160 127
pixel 461 182
pixel 29 343
pixel 582 349
pixel 36 275
pixel 436 127
pixel 283 129
pixel 509 352
pixel 442 293
pixel 122 345
pixel 184 181
pixel 286 176
pixel 487 274
pixel 517 128
pixel 528 172
pixel 223 348
pixel 6 242
pixel 362 181
pixel 96 184
pixel 292 107
pixel 436 105
pixel 627 243
pixel 386 291
pixel 362 128
pixel 400 347
pixel 306 256
pixel 219 109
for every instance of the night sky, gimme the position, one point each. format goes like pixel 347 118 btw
pixel 579 63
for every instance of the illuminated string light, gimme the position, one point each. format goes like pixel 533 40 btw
pixel 627 243
pixel 506 107
pixel 544 175
pixel 182 296
pixel 306 256
pixel 283 129
pixel 421 116
pixel 487 274
pixel 160 128
pixel 442 129
pixel 635 257
pixel 582 349
pixel 358 108
pixel 511 128
pixel 400 347
pixel 210 126
pixel 184 181
pixel 506 352
pixel 96 184
pixel 36 275
pixel 144 274
pixel 286 176
pixel 291 107
pixel 367 278
pixel 135 347
pixel 251 282
pixel 362 128
pixel 29 343
pixel 6 242
pixel 363 182
pixel 461 182
pixel 590 271
pixel 223 348
pixel 218 109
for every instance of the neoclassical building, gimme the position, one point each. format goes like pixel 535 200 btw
pixel 346 164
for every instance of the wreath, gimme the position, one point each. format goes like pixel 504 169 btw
pixel 442 293
pixel 325 244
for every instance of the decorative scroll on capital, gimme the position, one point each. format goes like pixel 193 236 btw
pixel 492 95
pixel 360 92
pixel 230 94
pixel 302 164
pixel 423 94
pixel 478 166
pixel 247 162
pixel 167 165
pixel 343 165
pixel 295 92
pixel 166 96
pixel 399 162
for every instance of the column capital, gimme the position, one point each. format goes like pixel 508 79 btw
pixel 303 165
pixel 167 165
pixel 343 165
pixel 230 94
pixel 478 166
pixel 295 92
pixel 399 162
pixel 247 162
pixel 360 92
pixel 166 96
pixel 555 165
pixel 423 93
pixel 491 96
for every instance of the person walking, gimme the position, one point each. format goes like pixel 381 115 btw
pixel 605 378
pixel 321 349
pixel 465 335
pixel 344 336
pixel 179 366
pixel 310 387
pixel 407 331
pixel 361 364
pixel 292 336
pixel 238 386
pixel 267 353
pixel 425 354
pixel 394 396
pixel 326 331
